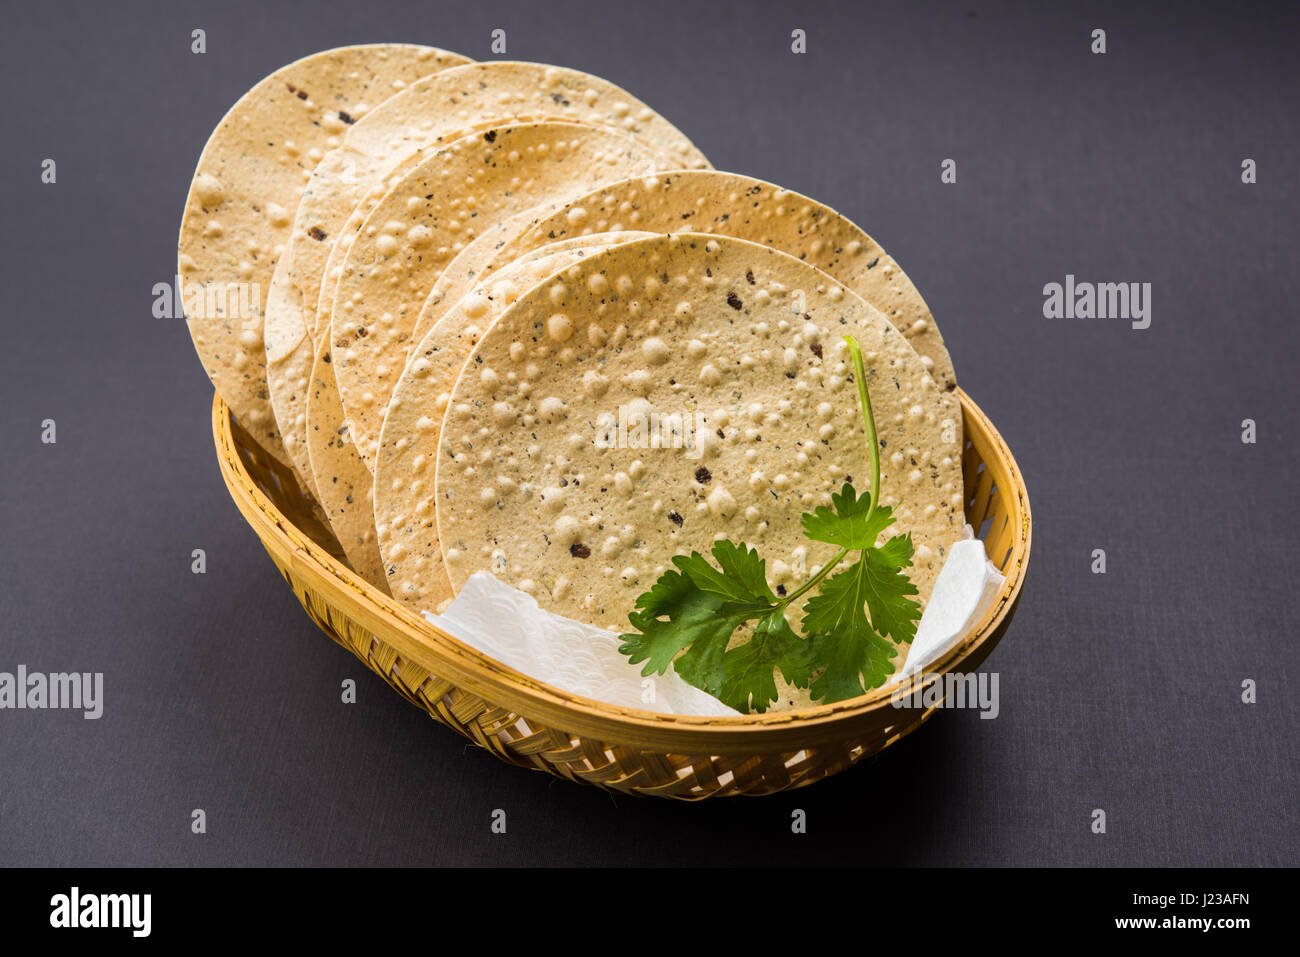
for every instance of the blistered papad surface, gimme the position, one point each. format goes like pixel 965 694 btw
pixel 245 193
pixel 431 112
pixel 732 354
pixel 411 235
pixel 408 534
pixel 728 204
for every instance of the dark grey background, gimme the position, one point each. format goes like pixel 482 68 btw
pixel 1119 691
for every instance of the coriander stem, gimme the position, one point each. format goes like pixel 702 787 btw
pixel 868 421
pixel 815 580
pixel 873 444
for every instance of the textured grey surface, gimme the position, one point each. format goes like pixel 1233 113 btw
pixel 1118 692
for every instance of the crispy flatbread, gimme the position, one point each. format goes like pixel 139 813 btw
pixel 533 483
pixel 343 485
pixel 412 233
pixel 244 195
pixel 427 114
pixel 727 204
pixel 408 534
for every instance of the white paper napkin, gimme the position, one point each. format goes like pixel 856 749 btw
pixel 967 585
pixel 506 624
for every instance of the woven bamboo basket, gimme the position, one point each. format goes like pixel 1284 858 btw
pixel 534 725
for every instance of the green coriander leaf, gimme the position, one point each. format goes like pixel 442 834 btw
pixel 852 524
pixel 855 650
pixel 886 587
pixel 876 580
pixel 855 655
pixel 855 662
pixel 692 619
pixel 897 553
pixel 749 667
pixel 741 576
pixel 703 665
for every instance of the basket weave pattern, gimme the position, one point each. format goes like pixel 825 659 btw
pixel 533 725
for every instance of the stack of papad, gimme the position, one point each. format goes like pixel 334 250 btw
pixel 506 319
pixel 245 193
pixel 346 482
pixel 397 255
pixel 404 506
pixel 378 154
pixel 745 337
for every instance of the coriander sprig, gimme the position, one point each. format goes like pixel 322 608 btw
pixel 690 615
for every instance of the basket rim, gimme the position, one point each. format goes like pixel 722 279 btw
pixel 448 658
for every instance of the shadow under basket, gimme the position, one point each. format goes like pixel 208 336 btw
pixel 534 725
